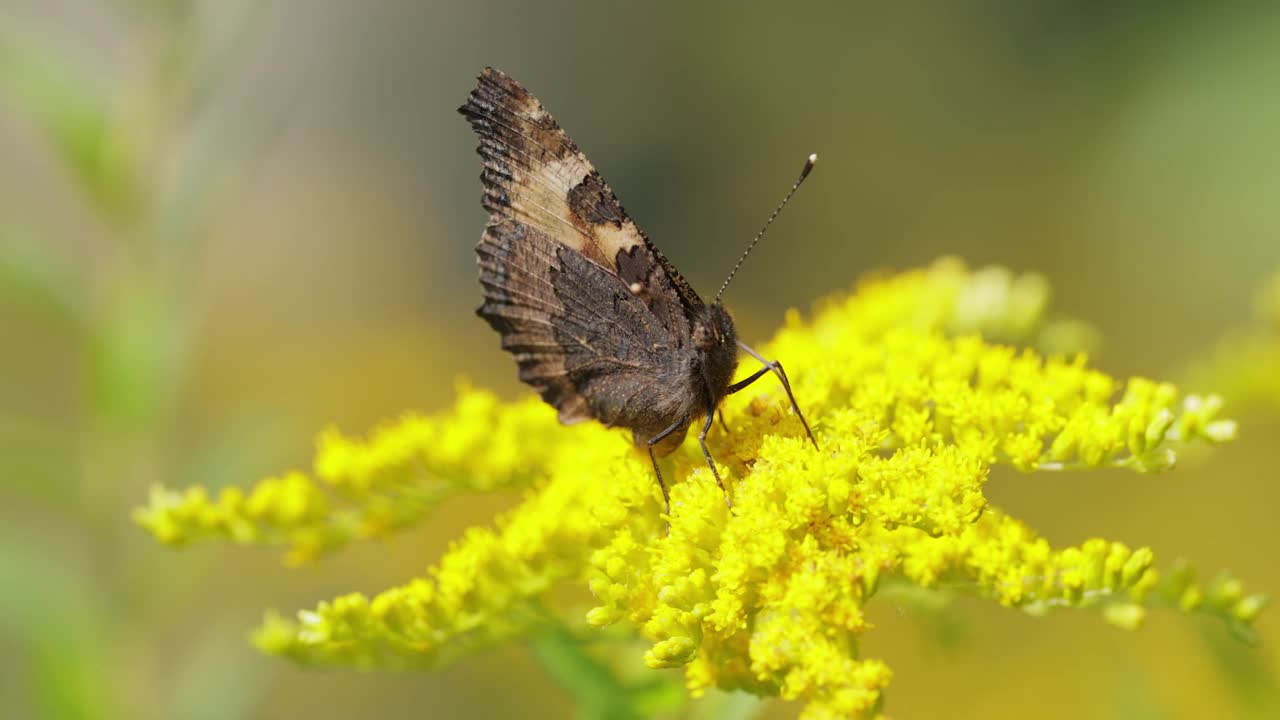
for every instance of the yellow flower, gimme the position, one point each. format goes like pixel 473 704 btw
pixel 912 407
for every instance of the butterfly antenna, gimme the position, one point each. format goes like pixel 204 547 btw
pixel 808 167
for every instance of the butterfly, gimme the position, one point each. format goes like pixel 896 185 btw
pixel 600 323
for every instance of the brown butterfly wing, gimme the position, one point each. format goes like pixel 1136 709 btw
pixel 597 319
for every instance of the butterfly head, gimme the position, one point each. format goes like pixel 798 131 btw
pixel 716 343
pixel 713 328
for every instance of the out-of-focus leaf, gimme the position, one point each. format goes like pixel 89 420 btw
pixel 943 630
pixel 68 106
pixel 34 275
pixel 596 692
pixel 134 363
pixel 1252 683
pixel 50 613
pixel 68 677
pixel 658 695
pixel 221 679
pixel 730 706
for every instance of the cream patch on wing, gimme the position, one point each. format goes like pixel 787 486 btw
pixel 567 172
pixel 613 239
pixel 541 196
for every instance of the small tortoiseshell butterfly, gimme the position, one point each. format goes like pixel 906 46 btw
pixel 600 323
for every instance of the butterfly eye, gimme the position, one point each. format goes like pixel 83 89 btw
pixel 704 336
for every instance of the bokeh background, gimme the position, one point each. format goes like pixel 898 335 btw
pixel 224 225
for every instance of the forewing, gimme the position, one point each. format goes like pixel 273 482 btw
pixel 535 175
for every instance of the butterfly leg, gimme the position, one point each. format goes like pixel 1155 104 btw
pixel 702 440
pixel 666 497
pixel 720 414
pixel 774 367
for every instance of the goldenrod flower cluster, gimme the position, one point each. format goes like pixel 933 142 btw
pixel 368 488
pixel 912 407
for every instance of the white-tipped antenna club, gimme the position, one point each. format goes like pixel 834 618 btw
pixel 804 173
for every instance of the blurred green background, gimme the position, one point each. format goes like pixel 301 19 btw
pixel 224 225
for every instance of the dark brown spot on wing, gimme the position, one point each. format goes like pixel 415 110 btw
pixel 595 203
